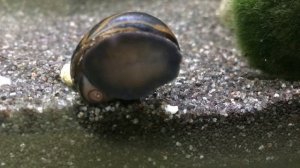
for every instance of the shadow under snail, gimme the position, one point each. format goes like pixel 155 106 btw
pixel 125 56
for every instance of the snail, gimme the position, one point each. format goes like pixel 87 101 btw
pixel 125 56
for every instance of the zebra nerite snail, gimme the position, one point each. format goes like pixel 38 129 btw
pixel 125 56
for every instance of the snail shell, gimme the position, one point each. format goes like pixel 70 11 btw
pixel 125 56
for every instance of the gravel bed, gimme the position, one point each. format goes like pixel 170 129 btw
pixel 218 109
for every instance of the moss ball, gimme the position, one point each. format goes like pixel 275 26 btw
pixel 268 34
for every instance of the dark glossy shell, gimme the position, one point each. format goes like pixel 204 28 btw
pixel 126 56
